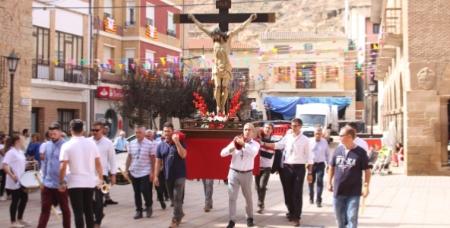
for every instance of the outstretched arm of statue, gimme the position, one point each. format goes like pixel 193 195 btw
pixel 242 26
pixel 199 25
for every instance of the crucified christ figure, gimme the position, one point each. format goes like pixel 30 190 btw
pixel 221 70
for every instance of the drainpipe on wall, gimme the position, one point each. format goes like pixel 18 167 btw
pixel 90 74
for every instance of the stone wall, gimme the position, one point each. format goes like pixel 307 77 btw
pixel 16 34
pixel 428 54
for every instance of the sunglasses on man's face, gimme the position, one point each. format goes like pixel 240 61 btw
pixel 95 130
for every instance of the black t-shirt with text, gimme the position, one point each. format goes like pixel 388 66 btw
pixel 349 170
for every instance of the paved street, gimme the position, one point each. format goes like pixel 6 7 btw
pixel 395 201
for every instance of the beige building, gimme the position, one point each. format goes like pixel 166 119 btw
pixel 302 64
pixel 16 34
pixel 139 31
pixel 413 67
pixel 62 81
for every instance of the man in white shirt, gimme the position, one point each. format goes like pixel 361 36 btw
pixel 139 164
pixel 2 172
pixel 320 153
pixel 254 111
pixel 297 155
pixel 108 161
pixel 243 150
pixel 81 156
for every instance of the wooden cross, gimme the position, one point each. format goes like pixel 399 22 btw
pixel 224 17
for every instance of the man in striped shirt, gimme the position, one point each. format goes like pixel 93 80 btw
pixel 139 165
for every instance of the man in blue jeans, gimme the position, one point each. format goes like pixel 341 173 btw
pixel 347 165
pixel 171 153
pixel 319 148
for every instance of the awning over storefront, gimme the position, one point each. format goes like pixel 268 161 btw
pixel 286 106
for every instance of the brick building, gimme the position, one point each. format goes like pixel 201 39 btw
pixel 414 73
pixel 141 30
pixel 15 30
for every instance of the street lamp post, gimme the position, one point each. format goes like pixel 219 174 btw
pixel 13 61
pixel 372 88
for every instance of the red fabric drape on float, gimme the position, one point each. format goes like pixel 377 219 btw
pixel 203 160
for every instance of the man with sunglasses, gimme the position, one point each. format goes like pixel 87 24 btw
pixel 108 161
pixel 297 159
pixel 347 166
pixel 139 164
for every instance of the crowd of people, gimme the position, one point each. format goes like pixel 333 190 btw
pixel 80 170
pixel 160 162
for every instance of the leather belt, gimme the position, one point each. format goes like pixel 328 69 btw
pixel 239 171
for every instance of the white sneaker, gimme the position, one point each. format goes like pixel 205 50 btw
pixel 24 223
pixel 3 198
pixel 16 225
pixel 58 210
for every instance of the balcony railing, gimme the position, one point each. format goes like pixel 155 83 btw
pixel 63 72
pixel 41 70
pixel 171 33
pixel 111 77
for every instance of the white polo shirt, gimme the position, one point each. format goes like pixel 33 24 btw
pixel 16 161
pixel 107 155
pixel 243 159
pixel 80 152
pixel 296 149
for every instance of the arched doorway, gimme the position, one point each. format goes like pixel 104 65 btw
pixel 112 122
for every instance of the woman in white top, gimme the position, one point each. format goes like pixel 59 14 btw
pixel 2 173
pixel 14 166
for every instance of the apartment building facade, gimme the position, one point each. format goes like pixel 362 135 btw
pixel 62 81
pixel 141 31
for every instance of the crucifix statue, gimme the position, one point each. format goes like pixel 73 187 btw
pixel 221 70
